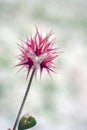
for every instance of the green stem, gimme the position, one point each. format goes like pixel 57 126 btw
pixel 24 99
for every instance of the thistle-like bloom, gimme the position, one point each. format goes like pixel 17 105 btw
pixel 38 52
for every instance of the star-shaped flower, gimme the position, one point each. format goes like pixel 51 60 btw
pixel 38 52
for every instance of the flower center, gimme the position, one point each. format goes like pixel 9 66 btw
pixel 37 59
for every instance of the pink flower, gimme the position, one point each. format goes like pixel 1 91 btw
pixel 38 52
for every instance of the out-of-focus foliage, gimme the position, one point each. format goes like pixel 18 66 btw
pixel 59 103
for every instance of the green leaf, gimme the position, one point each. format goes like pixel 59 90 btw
pixel 26 122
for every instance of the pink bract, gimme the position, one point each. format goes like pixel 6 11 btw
pixel 38 52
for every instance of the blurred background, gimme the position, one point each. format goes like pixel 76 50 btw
pixel 58 104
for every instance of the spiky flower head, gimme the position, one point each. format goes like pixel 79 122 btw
pixel 38 52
